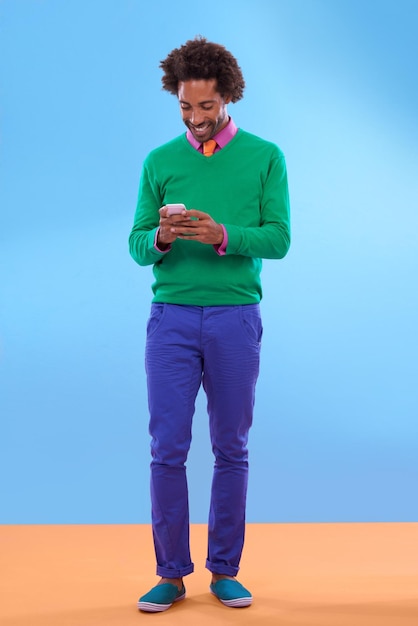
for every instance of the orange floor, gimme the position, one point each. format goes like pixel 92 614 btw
pixel 299 574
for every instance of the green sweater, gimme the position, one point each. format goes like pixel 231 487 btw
pixel 243 187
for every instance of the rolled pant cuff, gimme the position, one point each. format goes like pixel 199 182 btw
pixel 225 570
pixel 166 572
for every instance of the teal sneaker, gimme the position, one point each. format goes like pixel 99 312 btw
pixel 231 593
pixel 161 597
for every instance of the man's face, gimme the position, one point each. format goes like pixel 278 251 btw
pixel 202 108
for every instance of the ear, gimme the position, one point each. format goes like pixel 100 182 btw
pixel 227 99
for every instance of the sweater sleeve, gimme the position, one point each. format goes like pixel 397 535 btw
pixel 271 239
pixel 146 222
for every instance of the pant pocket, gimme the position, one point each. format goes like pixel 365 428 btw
pixel 156 317
pixel 250 319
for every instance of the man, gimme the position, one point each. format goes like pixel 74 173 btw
pixel 205 324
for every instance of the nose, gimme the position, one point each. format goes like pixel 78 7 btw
pixel 196 117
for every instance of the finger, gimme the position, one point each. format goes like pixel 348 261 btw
pixel 179 219
pixel 184 230
pixel 199 214
pixel 168 222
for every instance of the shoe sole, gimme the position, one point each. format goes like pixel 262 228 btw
pixel 236 602
pixel 153 607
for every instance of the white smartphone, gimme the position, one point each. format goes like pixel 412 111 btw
pixel 173 209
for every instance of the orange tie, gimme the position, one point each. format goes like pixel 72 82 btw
pixel 209 147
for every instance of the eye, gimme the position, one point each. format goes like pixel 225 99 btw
pixel 184 107
pixel 207 107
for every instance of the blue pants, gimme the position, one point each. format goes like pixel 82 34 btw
pixel 218 346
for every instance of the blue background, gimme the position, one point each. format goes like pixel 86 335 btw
pixel 335 85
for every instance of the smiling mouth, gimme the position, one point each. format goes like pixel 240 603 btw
pixel 200 130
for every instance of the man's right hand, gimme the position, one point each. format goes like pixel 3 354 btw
pixel 165 236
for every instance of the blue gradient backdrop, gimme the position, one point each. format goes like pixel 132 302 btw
pixel 335 85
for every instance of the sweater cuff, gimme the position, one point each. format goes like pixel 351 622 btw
pixel 220 248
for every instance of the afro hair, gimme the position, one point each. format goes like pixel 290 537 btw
pixel 200 59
